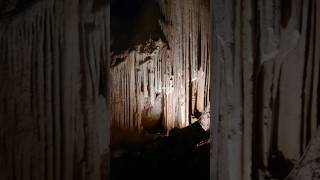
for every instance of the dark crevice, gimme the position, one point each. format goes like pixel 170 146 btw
pixel 11 8
pixel 286 12
pixel 278 166
pixel 318 100
pixel 134 22
pixel 199 50
pixel 257 89
pixel 99 4
pixel 258 124
pixel 305 71
pixel 301 16
pixel 312 53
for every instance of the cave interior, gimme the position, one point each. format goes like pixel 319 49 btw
pixel 90 88
pixel 154 108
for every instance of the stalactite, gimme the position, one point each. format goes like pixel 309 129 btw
pixel 180 74
pixel 266 76
pixel 52 110
pixel 143 86
pixel 186 26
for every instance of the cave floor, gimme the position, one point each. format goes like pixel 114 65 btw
pixel 177 156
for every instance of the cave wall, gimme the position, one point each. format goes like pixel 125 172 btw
pixel 178 71
pixel 53 96
pixel 308 166
pixel 141 81
pixel 265 86
pixel 185 24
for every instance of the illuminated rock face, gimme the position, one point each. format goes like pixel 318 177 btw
pixel 185 24
pixel 142 87
pixel 177 71
pixel 151 116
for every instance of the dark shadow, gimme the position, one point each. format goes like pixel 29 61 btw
pixel 134 22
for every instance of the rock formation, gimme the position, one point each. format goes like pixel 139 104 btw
pixel 255 62
pixel 53 119
pixel 178 71
pixel 141 86
pixel 265 85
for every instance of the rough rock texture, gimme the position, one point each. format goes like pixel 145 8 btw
pixel 309 164
pixel 204 119
pixel 265 85
pixel 141 84
pixel 53 121
pixel 178 75
pixel 186 26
